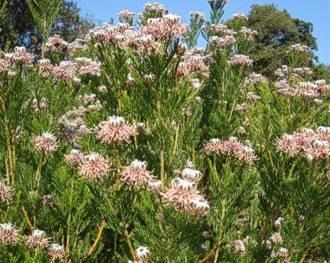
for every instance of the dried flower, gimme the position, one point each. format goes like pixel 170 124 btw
pixel 47 200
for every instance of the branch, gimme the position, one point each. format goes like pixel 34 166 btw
pixel 98 237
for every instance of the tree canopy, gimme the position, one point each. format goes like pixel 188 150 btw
pixel 277 30
pixel 17 26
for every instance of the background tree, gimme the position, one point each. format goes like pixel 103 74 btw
pixel 277 30
pixel 17 26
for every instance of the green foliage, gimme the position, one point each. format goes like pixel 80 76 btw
pixel 175 108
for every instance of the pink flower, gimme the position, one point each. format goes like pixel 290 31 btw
pixel 74 158
pixel 57 45
pixel 136 174
pixel 114 130
pixel 20 56
pixel 66 70
pixel 88 67
pixel 155 185
pixel 38 239
pixel 276 238
pixel 94 167
pixel 238 246
pixel 8 234
pixel 4 65
pixel 56 252
pixel 167 28
pixel 213 146
pixel 241 60
pixel 232 147
pixel 184 196
pixel 191 174
pixel 6 193
pixel 311 144
pixel 46 143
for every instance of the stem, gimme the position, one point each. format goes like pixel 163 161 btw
pixel 162 170
pixel 98 237
pixel 212 253
pixel 130 246
pixel 27 217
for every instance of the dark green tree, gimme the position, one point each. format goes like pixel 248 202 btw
pixel 277 30
pixel 17 26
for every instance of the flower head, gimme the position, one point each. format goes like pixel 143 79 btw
pixel 136 174
pixel 38 239
pixel 6 193
pixel 46 143
pixel 114 130
pixel 142 254
pixel 94 167
pixel 8 234
pixel 56 252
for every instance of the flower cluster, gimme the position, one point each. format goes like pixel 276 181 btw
pixel 311 144
pixel 115 130
pixel 46 143
pixel 232 147
pixel 254 79
pixel 94 167
pixel 303 89
pixel 241 60
pixel 56 252
pixel 136 175
pixel 20 56
pixel 154 10
pixel 37 239
pixel 299 48
pixel 193 61
pixel 222 42
pixel 6 193
pixel 125 16
pixel 142 254
pixel 248 33
pixel 56 44
pixel 8 234
pixel 184 196
pixel 167 28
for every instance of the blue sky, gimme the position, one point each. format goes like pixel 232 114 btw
pixel 317 12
